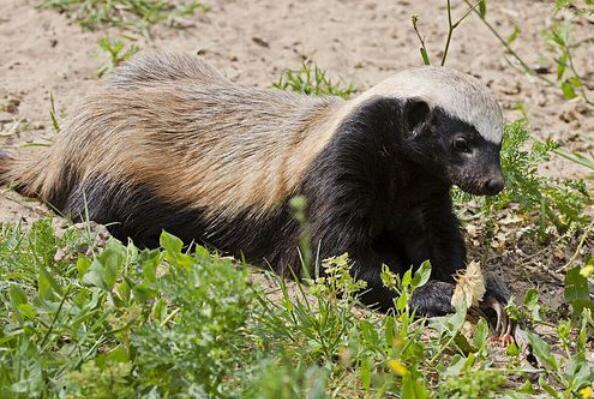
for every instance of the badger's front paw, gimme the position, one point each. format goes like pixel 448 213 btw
pixel 433 299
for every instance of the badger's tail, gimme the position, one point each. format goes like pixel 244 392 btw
pixel 28 173
pixel 165 67
pixel 5 162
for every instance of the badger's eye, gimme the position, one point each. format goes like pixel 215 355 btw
pixel 460 144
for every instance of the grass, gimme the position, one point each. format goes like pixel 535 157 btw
pixel 84 317
pixel 117 53
pixel 313 80
pixel 134 15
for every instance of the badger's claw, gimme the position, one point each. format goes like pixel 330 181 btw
pixel 503 325
pixel 493 305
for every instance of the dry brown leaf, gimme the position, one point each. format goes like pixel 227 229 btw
pixel 470 286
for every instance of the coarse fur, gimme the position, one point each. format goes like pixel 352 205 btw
pixel 173 145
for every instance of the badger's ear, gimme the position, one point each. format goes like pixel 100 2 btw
pixel 416 114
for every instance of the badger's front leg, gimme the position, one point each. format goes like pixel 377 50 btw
pixel 448 255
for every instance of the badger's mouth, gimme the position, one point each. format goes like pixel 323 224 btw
pixel 481 183
pixel 481 187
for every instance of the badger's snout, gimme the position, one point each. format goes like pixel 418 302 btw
pixel 493 185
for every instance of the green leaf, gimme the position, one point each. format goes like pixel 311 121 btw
pixel 513 350
pixel 513 36
pixel 27 310
pixel 365 373
pixel 548 388
pixel 150 260
pixel 531 302
pixel 104 270
pixel 389 329
pixel 462 343
pixel 568 90
pixel 562 65
pixel 531 297
pixel 17 296
pixel 528 388
pixel 422 275
pixel 171 243
pixel 402 301
pixel 48 286
pixel 413 388
pixel 481 334
pixel 425 56
pixel 18 300
pixel 83 263
pixel 542 351
pixel 576 291
pixel 407 279
pixel 173 250
pixel 482 8
pixel 117 355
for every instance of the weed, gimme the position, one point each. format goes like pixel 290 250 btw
pixel 117 52
pixel 312 80
pixel 175 322
pixel 54 115
pixel 473 384
pixel 570 81
pixel 136 15
pixel 562 44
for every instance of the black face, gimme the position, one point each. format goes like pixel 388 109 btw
pixel 452 149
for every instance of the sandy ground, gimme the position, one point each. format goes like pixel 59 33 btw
pixel 362 41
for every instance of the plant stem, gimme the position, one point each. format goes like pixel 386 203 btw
pixel 577 75
pixel 525 66
pixel 424 52
pixel 51 327
pixel 578 248
pixel 453 26
pixel 450 31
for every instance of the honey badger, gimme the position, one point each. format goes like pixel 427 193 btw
pixel 172 145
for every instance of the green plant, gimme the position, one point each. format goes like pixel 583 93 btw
pixel 276 380
pixel 473 384
pixel 85 317
pixel 136 15
pixel 106 325
pixel 572 371
pixel 562 44
pixel 117 52
pixel 312 80
pixel 54 115
pixel 570 81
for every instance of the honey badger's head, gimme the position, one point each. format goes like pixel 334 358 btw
pixel 451 126
pixel 452 148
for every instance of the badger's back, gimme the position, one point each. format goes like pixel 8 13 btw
pixel 171 144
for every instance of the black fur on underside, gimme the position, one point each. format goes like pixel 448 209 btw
pixel 135 212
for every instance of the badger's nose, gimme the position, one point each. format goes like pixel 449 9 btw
pixel 494 185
